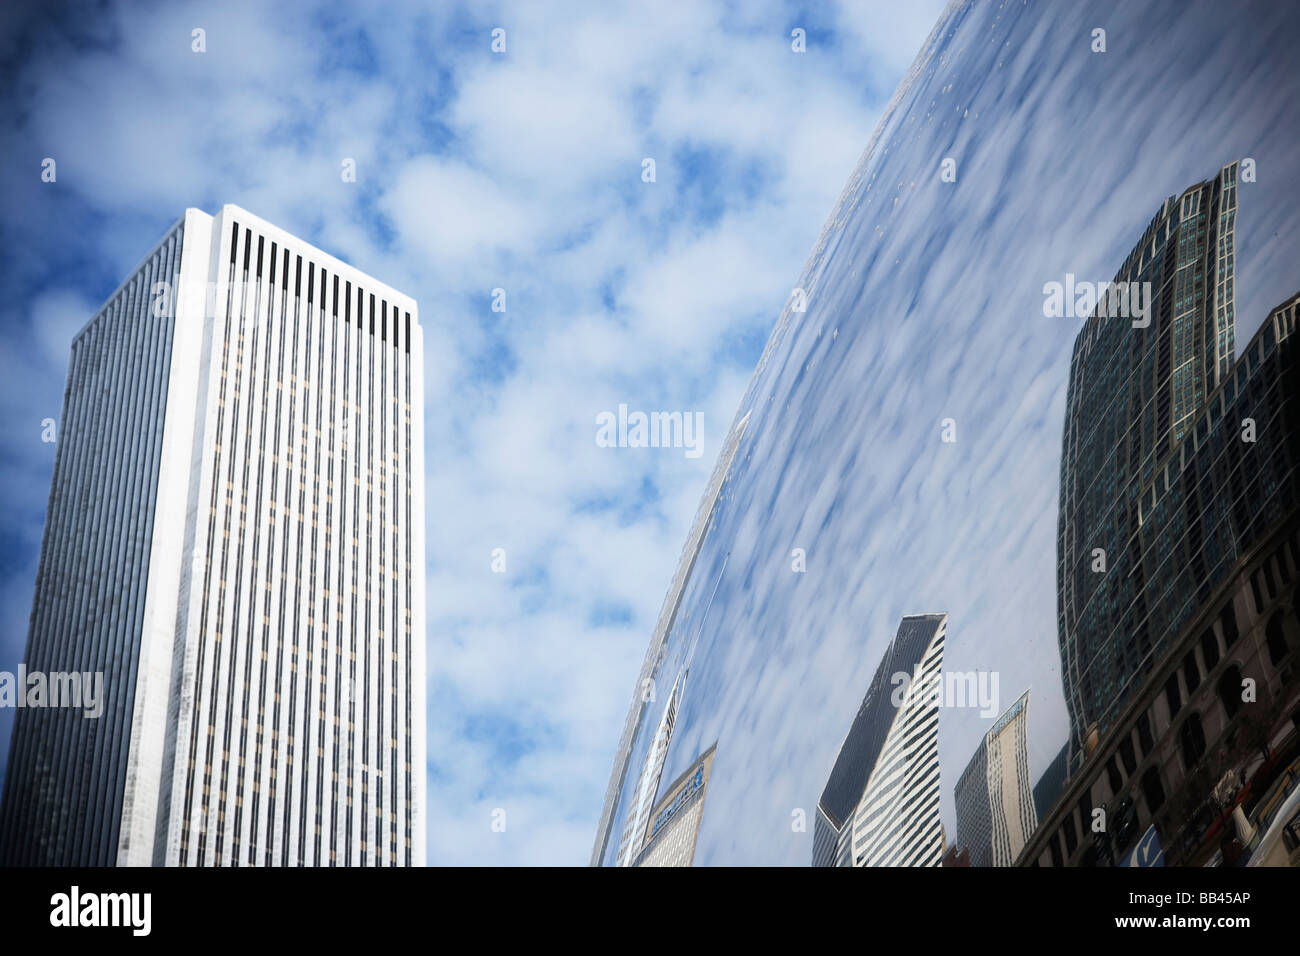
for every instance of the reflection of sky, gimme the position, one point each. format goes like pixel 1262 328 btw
pixel 925 304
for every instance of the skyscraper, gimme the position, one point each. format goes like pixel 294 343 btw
pixel 235 538
pixel 1179 542
pixel 1050 782
pixel 880 806
pixel 1134 392
pixel 1232 488
pixel 674 825
pixel 995 805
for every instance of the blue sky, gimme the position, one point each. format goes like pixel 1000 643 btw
pixel 476 171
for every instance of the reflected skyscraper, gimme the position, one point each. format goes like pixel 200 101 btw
pixel 235 539
pixel 1050 782
pixel 995 805
pixel 1178 548
pixel 1134 393
pixel 880 806
pixel 675 820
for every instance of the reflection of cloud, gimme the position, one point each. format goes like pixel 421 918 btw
pixel 927 305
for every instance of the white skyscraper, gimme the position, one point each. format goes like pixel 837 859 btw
pixel 995 803
pixel 880 806
pixel 235 539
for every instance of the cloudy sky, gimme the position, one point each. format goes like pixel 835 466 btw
pixel 475 171
pixel 523 171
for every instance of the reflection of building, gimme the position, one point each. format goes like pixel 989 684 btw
pixel 1180 465
pixel 235 538
pixel 995 809
pixel 675 820
pixel 880 806
pixel 1134 394
pixel 1050 783
pixel 648 785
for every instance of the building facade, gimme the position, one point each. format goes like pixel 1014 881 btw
pixel 880 806
pixel 995 804
pixel 1199 635
pixel 1049 784
pixel 1134 394
pixel 674 825
pixel 235 539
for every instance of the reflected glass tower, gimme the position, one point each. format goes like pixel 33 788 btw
pixel 1134 392
pixel 1212 561
pixel 881 802
pixel 1049 783
pixel 235 539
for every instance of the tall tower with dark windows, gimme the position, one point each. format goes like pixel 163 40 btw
pixel 1178 550
pixel 1134 393
pixel 235 540
pixel 1218 540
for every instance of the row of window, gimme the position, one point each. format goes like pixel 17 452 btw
pixel 351 678
pixel 1180 687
